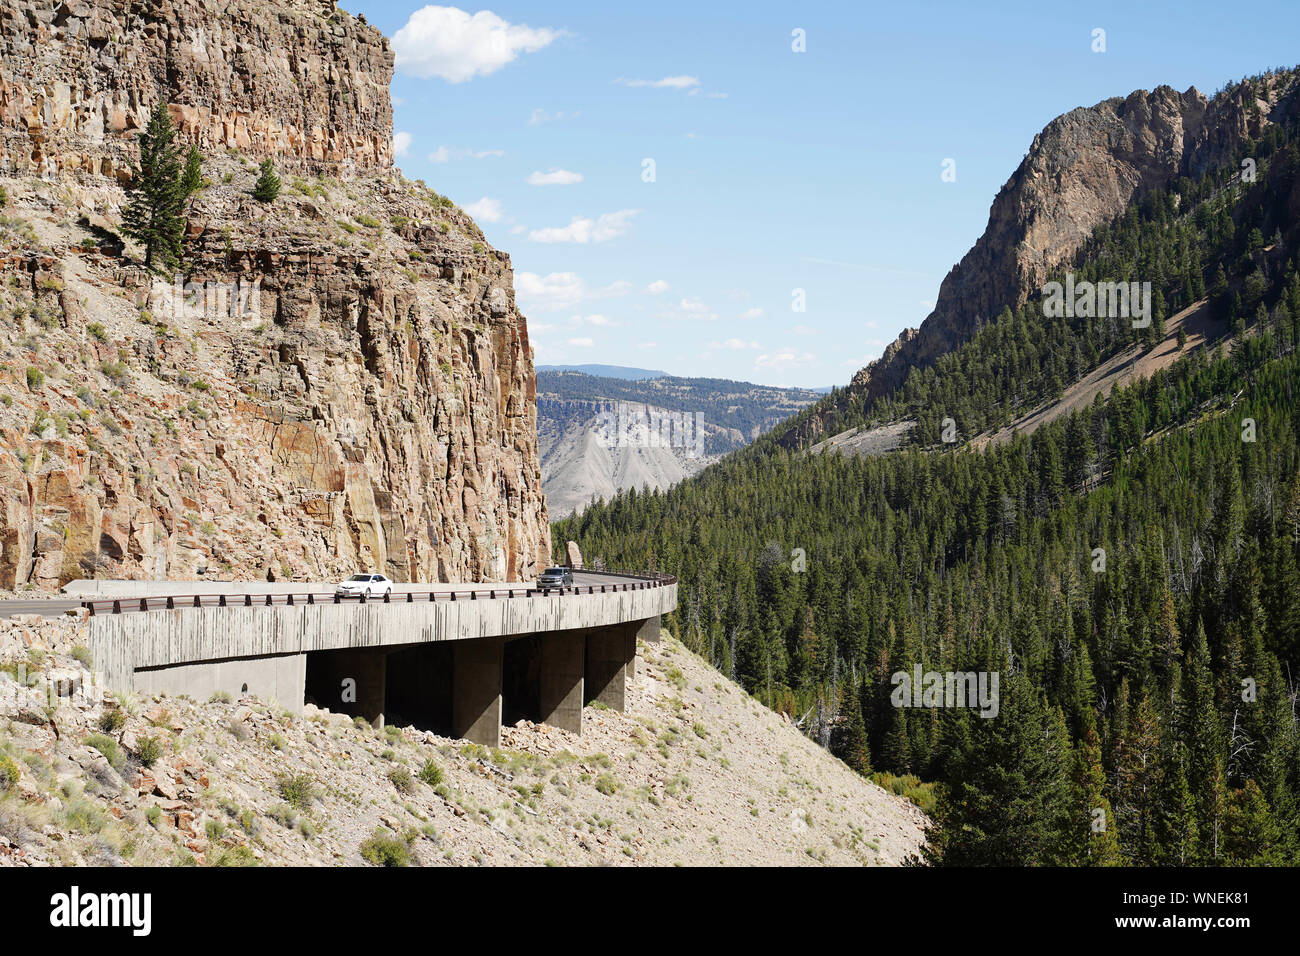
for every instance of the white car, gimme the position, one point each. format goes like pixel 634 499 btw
pixel 367 585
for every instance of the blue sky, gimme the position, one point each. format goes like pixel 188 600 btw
pixel 774 170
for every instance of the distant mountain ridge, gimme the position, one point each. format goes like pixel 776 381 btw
pixel 701 419
pixel 607 371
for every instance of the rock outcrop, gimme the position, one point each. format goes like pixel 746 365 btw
pixel 1081 171
pixel 340 381
pixel 302 81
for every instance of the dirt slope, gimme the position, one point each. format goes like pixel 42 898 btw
pixel 696 772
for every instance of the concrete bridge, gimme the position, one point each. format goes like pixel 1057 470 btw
pixel 457 660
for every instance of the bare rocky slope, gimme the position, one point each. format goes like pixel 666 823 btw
pixel 600 434
pixel 1081 171
pixel 346 380
pixel 695 772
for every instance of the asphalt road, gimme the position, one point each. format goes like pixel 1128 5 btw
pixel 56 606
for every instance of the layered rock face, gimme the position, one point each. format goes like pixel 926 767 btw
pixel 341 381
pixel 1081 171
pixel 301 81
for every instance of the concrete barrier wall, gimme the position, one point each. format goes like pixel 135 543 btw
pixel 97 588
pixel 279 679
pixel 121 644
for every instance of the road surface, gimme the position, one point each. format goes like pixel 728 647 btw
pixel 56 606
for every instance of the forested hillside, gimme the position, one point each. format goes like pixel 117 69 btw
pixel 1130 570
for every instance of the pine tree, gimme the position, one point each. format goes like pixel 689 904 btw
pixel 1007 795
pixel 849 740
pixel 1089 834
pixel 268 183
pixel 192 177
pixel 153 211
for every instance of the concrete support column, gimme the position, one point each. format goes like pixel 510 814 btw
pixel 649 631
pixel 629 654
pixel 606 668
pixel 370 670
pixel 562 671
pixel 476 690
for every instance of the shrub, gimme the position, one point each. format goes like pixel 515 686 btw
pixel 154 816
pixel 220 697
pixel 401 778
pixel 297 790
pixel 82 653
pixel 112 720
pixel 9 773
pixel 606 784
pixel 108 747
pixel 148 750
pixel 235 856
pixel 384 850
pixel 97 332
pixel 284 815
pixel 431 773
pixel 35 377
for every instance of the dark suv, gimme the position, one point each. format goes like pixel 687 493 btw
pixel 556 578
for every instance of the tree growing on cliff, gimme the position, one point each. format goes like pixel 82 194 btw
pixel 268 183
pixel 153 211
pixel 192 177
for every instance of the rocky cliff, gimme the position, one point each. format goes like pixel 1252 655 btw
pixel 1081 171
pixel 341 378
pixel 300 80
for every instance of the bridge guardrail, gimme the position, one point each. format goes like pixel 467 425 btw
pixel 646 579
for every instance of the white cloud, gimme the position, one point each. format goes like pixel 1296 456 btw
pixel 804 330
pixel 401 143
pixel 689 308
pixel 735 345
pixel 754 313
pixel 582 230
pixel 647 345
pixel 445 154
pixel 560 290
pixel 540 116
pixel 583 343
pixel 555 177
pixel 657 287
pixel 668 82
pixel 488 210
pixel 449 43
pixel 598 320
pixel 786 358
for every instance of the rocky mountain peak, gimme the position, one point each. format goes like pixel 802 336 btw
pixel 1080 172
